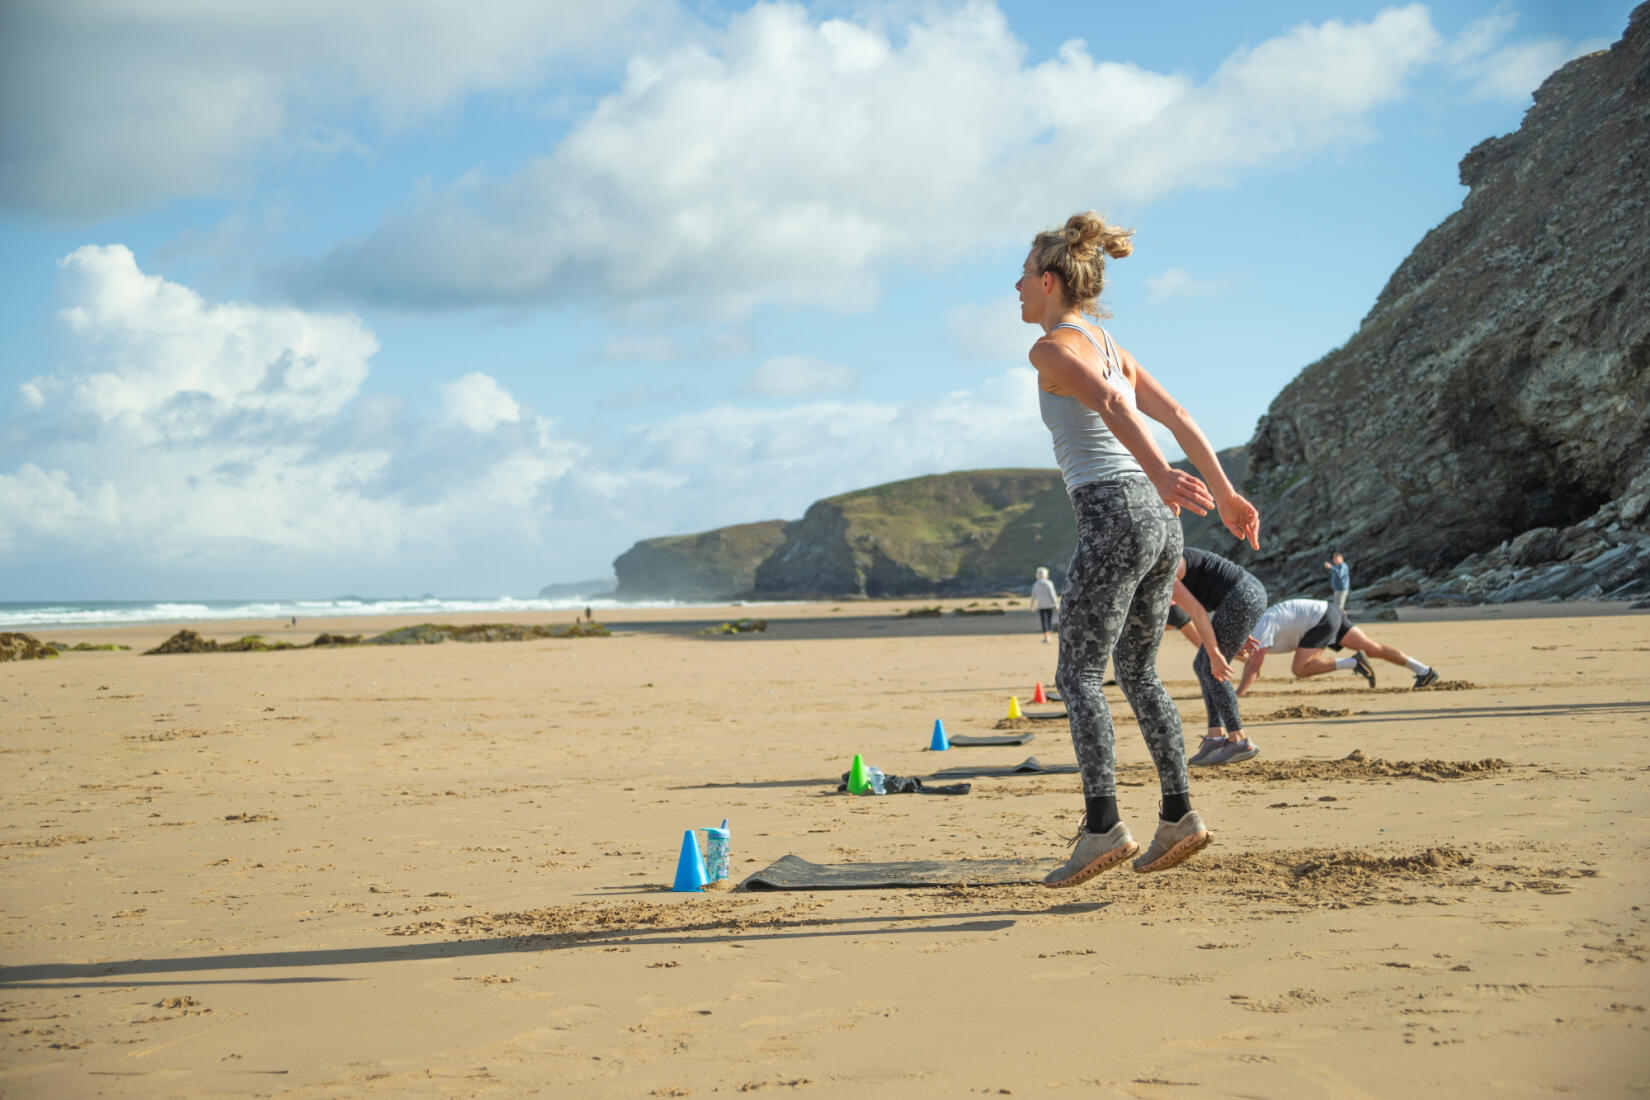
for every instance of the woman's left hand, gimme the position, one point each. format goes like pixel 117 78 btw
pixel 1241 518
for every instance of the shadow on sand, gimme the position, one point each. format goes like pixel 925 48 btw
pixel 51 975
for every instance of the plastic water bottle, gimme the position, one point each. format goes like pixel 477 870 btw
pixel 877 784
pixel 717 845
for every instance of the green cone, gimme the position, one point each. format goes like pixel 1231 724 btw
pixel 859 779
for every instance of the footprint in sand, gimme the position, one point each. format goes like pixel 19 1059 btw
pixel 572 1015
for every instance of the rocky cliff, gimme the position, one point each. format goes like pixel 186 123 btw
pixel 1485 434
pixel 706 566
pixel 970 532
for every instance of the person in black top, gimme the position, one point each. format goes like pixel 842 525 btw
pixel 1181 623
pixel 1224 602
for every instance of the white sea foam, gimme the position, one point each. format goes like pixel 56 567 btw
pixel 65 614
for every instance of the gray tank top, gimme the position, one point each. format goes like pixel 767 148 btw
pixel 1083 445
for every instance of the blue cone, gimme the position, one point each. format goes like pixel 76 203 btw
pixel 940 742
pixel 690 866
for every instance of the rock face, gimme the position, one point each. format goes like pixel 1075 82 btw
pixel 1486 432
pixel 24 647
pixel 188 641
pixel 707 566
pixel 961 533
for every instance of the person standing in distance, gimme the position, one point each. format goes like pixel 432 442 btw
pixel 1340 579
pixel 1045 600
pixel 1094 398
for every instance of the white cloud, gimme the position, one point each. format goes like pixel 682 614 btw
pixel 642 349
pixel 742 463
pixel 1510 72
pixel 479 403
pixel 170 366
pixel 50 505
pixel 1177 282
pixel 796 376
pixel 787 160
pixel 184 457
pixel 1514 72
pixel 732 463
pixel 179 430
pixel 107 105
pixel 991 331
pixel 636 347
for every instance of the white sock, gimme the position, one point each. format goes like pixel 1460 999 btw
pixel 1417 667
pixel 1344 663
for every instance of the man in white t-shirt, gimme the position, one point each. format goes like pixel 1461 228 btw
pixel 1308 627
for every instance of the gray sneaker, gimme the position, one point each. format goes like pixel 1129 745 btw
pixel 1427 678
pixel 1362 668
pixel 1174 843
pixel 1230 752
pixel 1210 746
pixel 1092 853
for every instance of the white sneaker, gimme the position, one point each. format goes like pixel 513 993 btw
pixel 1092 853
pixel 1175 842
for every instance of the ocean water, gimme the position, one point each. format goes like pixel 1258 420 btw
pixel 64 614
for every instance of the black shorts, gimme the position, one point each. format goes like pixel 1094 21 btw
pixel 1328 631
pixel 1177 618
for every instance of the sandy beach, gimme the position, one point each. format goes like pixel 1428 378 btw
pixel 445 870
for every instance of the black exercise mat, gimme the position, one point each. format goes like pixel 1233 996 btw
pixel 966 739
pixel 1043 717
pixel 1029 766
pixel 796 873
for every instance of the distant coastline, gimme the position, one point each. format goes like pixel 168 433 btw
pixel 109 617
pixel 74 615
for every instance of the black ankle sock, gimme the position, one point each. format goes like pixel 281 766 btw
pixel 1102 813
pixel 1175 807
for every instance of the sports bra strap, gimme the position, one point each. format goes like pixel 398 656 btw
pixel 1108 352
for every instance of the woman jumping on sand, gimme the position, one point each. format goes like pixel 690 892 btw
pixel 1126 496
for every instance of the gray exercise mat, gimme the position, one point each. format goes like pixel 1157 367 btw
pixel 1029 766
pixel 1043 717
pixel 966 739
pixel 796 873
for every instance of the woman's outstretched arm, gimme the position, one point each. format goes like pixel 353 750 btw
pixel 1194 608
pixel 1241 517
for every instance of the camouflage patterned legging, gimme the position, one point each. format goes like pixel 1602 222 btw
pixel 1117 597
pixel 1240 609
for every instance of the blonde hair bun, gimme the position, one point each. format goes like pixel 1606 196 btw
pixel 1076 252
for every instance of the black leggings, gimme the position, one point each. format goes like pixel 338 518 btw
pixel 1117 597
pixel 1047 615
pixel 1240 609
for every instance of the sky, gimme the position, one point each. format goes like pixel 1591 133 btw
pixel 406 296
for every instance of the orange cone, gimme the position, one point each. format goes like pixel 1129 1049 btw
pixel 1038 696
